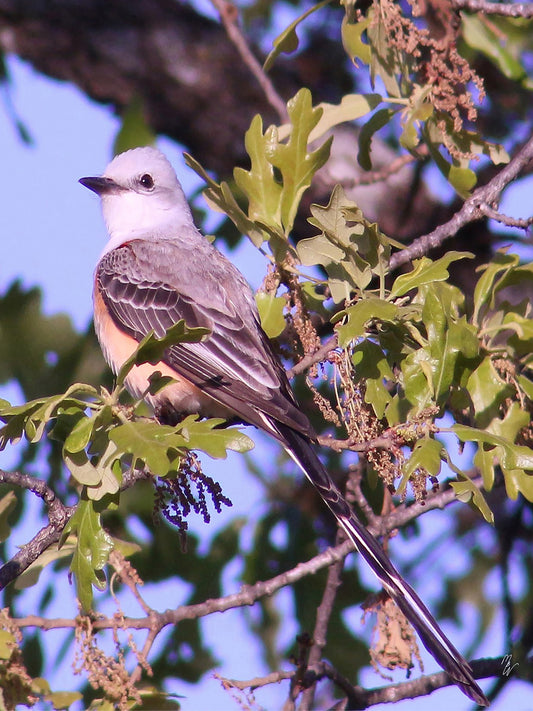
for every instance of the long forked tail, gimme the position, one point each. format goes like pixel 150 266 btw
pixel 435 641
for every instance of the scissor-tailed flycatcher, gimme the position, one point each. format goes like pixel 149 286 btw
pixel 156 269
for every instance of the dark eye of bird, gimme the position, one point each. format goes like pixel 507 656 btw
pixel 147 181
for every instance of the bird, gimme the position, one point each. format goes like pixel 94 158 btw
pixel 156 269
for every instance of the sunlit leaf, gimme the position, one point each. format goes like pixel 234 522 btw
pixel 485 289
pixel 7 504
pixel 287 41
pixel 271 311
pixel 92 550
pixel 467 492
pixel 378 120
pixel 351 107
pixel 296 165
pixel 426 271
pixel 259 185
pixel 208 436
pixel 358 315
pixel 352 39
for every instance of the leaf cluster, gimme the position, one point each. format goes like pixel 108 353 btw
pixel 426 83
pixel 102 439
pixel 418 346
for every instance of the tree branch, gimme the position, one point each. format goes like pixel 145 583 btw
pixel 321 625
pixel 249 594
pixel 360 698
pixel 472 209
pixel 317 357
pixel 511 9
pixel 229 16
pixel 58 517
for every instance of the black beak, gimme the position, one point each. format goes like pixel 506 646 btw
pixel 100 185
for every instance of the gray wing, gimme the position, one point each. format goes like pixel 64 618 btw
pixel 151 285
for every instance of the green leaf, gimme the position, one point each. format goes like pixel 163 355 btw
pixel 512 456
pixel 271 309
pixel 480 35
pixel 426 271
pixel 419 110
pixel 466 491
pixel 287 41
pixel 351 248
pixel 8 644
pixel 417 379
pixel 371 366
pixel 158 446
pixel 352 39
pixel 7 504
pixel 80 435
pixel 351 107
pixel 63 699
pixel 358 315
pixel 259 184
pixel 484 461
pixel 151 349
pixel 108 465
pixel 426 455
pixel 319 250
pixel 387 61
pixel 449 339
pixel 462 179
pixel 439 131
pixel 214 441
pixel 31 575
pixel 296 165
pixel 220 198
pixel 32 417
pixel 485 289
pixel 487 390
pixel 91 553
pixel 377 121
pixel 81 468
pixel 517 482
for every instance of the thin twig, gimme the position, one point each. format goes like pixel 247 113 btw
pixel 323 615
pixel 361 698
pixel 58 515
pixel 317 357
pixel 229 15
pixel 520 223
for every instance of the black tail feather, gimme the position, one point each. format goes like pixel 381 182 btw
pixel 435 641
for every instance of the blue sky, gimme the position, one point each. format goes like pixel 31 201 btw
pixel 52 235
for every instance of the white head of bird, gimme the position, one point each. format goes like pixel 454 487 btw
pixel 141 197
